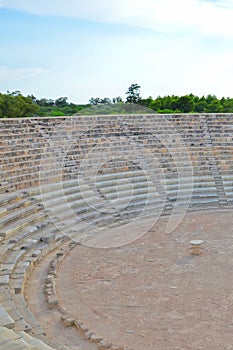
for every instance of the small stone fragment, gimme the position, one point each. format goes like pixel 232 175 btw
pixel 69 322
pixel 95 338
pixel 88 335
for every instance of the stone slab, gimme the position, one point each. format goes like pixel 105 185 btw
pixel 5 319
pixel 4 280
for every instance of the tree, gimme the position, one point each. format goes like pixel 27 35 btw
pixel 200 106
pixel 61 102
pixel 133 94
pixel 117 99
pixel 14 104
pixel 185 104
pixel 95 101
pixel 210 98
pixel 33 98
pixel 214 106
pixel 227 105
pixel 44 102
pixel 147 102
pixel 106 100
pixel 156 105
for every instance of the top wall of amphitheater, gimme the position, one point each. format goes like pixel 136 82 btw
pixel 206 139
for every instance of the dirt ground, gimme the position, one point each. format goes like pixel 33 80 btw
pixel 153 293
pixel 60 337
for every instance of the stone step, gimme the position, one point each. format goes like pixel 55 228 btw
pixel 7 198
pixel 33 342
pixel 27 315
pixel 13 215
pixel 14 227
pixel 5 319
pixel 9 340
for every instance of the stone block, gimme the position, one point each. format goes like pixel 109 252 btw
pixel 4 280
pixel 36 253
pixel 95 338
pixel 34 342
pixel 88 335
pixel 104 345
pixel 21 325
pixel 69 322
pixel 48 238
pixel 5 319
pixel 6 336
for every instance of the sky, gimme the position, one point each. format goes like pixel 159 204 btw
pixel 97 48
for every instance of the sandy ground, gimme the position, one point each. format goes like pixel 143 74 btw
pixel 153 293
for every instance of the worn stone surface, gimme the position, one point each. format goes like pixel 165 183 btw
pixel 207 137
pixel 34 342
pixel 5 319
pixel 4 280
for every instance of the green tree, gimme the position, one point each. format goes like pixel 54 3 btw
pixel 14 104
pixel 156 105
pixel 61 102
pixel 209 98
pixel 214 106
pixel 227 105
pixel 117 99
pixel 106 100
pixel 147 102
pixel 44 102
pixel 133 94
pixel 186 104
pixel 200 106
pixel 95 101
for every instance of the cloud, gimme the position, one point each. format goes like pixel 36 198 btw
pixel 92 62
pixel 198 16
pixel 18 74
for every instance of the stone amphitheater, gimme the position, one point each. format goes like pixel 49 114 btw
pixel 96 217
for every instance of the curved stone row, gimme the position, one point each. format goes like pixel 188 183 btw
pixel 67 141
pixel 23 242
pixel 49 192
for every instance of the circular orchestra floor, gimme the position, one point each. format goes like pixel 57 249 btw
pixel 153 293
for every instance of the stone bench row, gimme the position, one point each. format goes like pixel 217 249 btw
pixel 85 205
pixel 19 210
pixel 107 183
pixel 32 154
pixel 48 122
pixel 138 132
pixel 202 189
pixel 22 251
pixel 9 340
pixel 12 274
pixel 31 180
pixel 192 143
pixel 149 129
pixel 17 177
pixel 11 174
pixel 61 146
pixel 23 159
pixel 19 149
pixel 117 127
pixel 122 182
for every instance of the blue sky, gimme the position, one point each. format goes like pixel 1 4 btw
pixel 82 49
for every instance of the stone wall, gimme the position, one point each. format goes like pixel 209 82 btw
pixel 194 150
